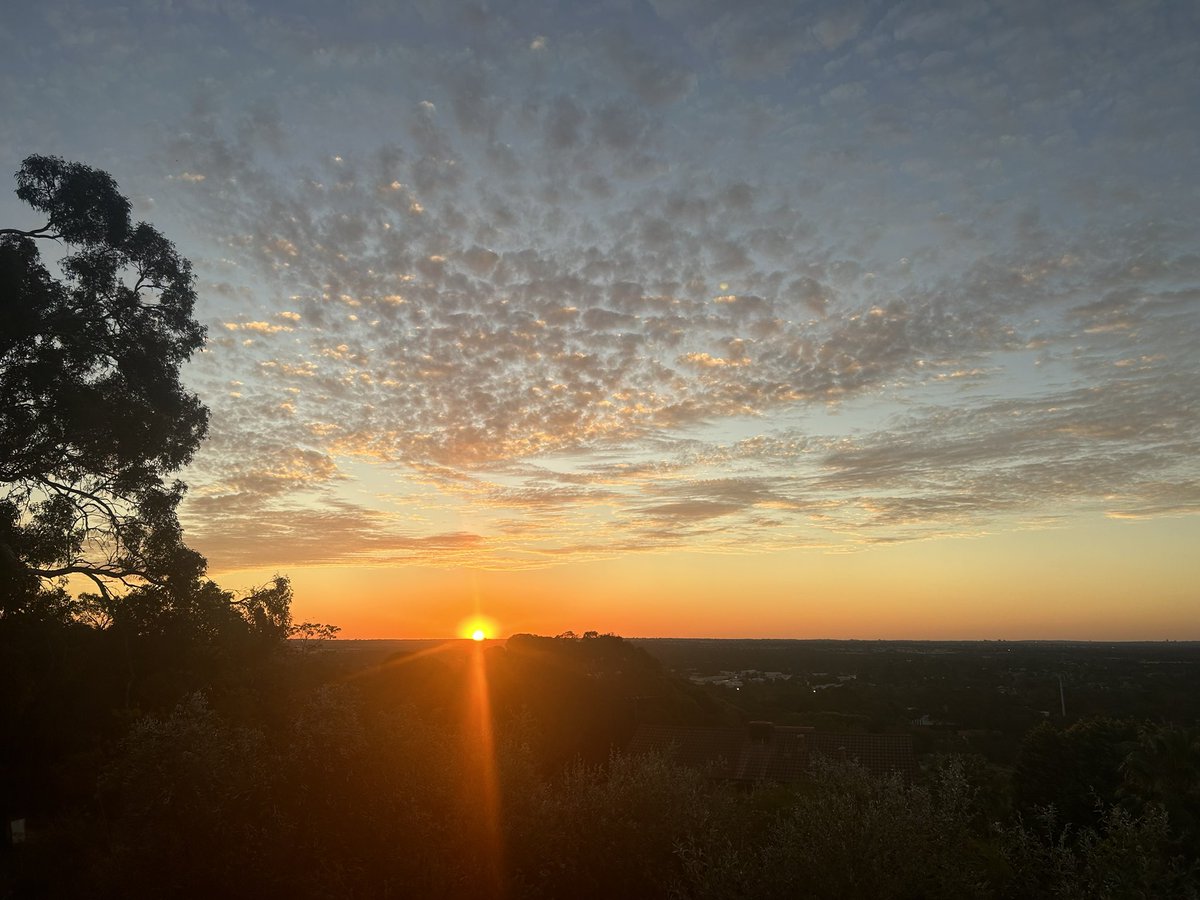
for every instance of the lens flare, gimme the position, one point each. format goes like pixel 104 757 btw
pixel 477 628
pixel 483 783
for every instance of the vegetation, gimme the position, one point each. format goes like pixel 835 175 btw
pixel 390 783
pixel 94 418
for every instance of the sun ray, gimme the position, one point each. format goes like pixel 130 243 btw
pixel 443 647
pixel 485 784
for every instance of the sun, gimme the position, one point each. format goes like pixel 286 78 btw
pixel 478 628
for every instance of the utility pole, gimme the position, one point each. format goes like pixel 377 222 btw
pixel 1062 697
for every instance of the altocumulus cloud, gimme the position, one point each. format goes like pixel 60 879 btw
pixel 597 283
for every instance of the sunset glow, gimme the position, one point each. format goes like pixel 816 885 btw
pixel 815 320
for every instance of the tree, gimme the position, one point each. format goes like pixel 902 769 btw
pixel 1077 770
pixel 315 632
pixel 1163 769
pixel 95 418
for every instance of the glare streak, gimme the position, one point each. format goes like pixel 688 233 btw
pixel 484 787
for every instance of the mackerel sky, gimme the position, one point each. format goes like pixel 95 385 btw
pixel 519 285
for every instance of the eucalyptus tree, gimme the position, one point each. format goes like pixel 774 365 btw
pixel 94 419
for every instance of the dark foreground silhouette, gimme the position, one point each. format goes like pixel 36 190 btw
pixel 465 771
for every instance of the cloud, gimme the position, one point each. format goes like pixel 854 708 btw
pixel 335 533
pixel 653 78
pixel 895 272
pixel 1109 448
pixel 688 510
pixel 263 328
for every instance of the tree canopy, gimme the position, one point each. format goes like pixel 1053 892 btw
pixel 95 418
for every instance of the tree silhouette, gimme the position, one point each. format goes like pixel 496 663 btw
pixel 95 418
pixel 1164 768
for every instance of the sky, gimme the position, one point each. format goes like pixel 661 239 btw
pixel 667 318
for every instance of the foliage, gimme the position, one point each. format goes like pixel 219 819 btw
pixel 1076 770
pixel 1162 770
pixel 391 784
pixel 614 830
pixel 313 634
pixel 1121 856
pixel 288 777
pixel 95 417
pixel 190 788
pixel 847 834
pixel 95 421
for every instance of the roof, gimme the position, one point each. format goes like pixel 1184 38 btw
pixel 882 754
pixel 766 752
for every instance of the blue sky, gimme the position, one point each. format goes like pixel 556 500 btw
pixel 522 285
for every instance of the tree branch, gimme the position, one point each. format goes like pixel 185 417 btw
pixel 95 573
pixel 103 504
pixel 43 232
